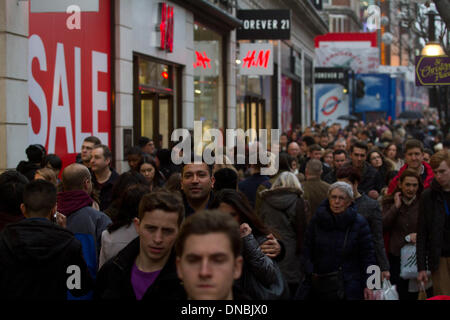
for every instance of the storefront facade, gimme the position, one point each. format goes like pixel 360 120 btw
pixel 144 67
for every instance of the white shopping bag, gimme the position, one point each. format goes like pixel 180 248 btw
pixel 389 291
pixel 408 262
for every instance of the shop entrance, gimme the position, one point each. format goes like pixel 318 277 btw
pixel 255 116
pixel 156 99
pixel 157 117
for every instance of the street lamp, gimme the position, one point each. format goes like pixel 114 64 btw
pixel 433 48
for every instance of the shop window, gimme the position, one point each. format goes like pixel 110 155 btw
pixel 208 77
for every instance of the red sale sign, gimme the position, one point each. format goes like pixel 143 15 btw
pixel 69 80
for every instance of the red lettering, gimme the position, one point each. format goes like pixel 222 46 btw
pixel 249 59
pixel 263 58
pixel 170 30
pixel 162 26
pixel 202 60
pixel 261 61
pixel 166 27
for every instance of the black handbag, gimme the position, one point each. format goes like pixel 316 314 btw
pixel 330 286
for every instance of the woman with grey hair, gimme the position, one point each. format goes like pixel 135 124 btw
pixel 284 209
pixel 337 251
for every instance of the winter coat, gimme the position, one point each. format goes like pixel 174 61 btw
pixel 105 189
pixel 114 278
pixel 259 268
pixel 399 223
pixel 427 177
pixel 35 255
pixel 322 250
pixel 85 222
pixel 371 210
pixel 315 191
pixel 371 179
pixel 283 209
pixel 7 218
pixel 430 231
pixel 251 184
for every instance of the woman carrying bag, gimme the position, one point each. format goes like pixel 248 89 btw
pixel 337 251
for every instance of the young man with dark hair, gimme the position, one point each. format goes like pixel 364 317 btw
pixel 12 184
pixel 414 160
pixel 134 156
pixel 39 259
pixel 339 159
pixel 145 269
pixel 371 181
pixel 84 157
pixel 104 176
pixel 315 152
pixel 433 235
pixel 209 257
pixel 369 209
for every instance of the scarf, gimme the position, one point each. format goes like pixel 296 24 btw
pixel 70 201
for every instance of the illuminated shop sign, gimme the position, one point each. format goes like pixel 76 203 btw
pixel 165 27
pixel 264 24
pixel 256 59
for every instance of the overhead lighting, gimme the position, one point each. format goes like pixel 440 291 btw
pixel 197 91
pixel 238 61
pixel 345 91
pixel 433 49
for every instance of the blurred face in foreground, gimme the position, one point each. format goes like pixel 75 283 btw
pixel 208 267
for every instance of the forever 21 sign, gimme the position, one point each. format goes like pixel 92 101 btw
pixel 264 25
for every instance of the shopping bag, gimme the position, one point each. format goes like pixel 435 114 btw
pixel 422 292
pixel 389 291
pixel 408 262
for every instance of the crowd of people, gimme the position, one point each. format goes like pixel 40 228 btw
pixel 343 200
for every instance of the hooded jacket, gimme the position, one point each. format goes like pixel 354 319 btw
pixel 427 177
pixel 283 209
pixel 324 242
pixel 34 258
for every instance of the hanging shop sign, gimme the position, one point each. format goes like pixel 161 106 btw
pixel 69 82
pixel 431 71
pixel 264 25
pixel 256 59
pixel 165 27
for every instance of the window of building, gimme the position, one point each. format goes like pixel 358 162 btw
pixel 208 79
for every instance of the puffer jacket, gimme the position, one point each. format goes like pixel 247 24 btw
pixel 322 251
pixel 260 268
pixel 284 210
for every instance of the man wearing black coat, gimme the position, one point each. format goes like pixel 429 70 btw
pixel 433 235
pixel 39 260
pixel 371 181
pixel 145 269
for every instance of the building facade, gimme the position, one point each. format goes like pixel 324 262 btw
pixel 121 69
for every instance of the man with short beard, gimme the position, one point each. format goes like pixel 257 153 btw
pixel 197 183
